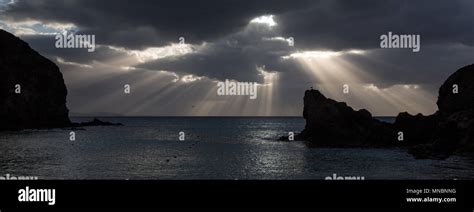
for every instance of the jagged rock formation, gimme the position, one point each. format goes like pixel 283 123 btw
pixel 417 129
pixel 96 122
pixel 450 130
pixel 331 123
pixel 42 101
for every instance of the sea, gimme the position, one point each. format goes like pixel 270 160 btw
pixel 196 148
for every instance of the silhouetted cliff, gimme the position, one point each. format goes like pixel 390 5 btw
pixel 332 123
pixel 32 89
pixel 450 130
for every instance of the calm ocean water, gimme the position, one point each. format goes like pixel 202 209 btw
pixel 215 148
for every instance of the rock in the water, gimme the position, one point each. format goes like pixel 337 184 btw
pixel 96 122
pixel 331 123
pixel 450 130
pixel 42 101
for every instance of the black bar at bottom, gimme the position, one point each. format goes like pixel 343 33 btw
pixel 242 194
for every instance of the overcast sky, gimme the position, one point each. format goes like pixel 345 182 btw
pixel 335 43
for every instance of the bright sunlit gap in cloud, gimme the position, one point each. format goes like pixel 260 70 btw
pixel 131 58
pixel 282 39
pixel 154 53
pixel 33 27
pixel 265 19
pixel 62 61
pixel 190 78
pixel 322 54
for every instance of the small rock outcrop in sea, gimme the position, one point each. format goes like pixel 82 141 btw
pixel 96 122
pixel 32 89
pixel 450 130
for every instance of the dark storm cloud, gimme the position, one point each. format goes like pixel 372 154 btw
pixel 339 25
pixel 329 24
pixel 46 45
pixel 139 24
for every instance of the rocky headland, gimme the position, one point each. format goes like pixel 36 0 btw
pixel 448 131
pixel 32 89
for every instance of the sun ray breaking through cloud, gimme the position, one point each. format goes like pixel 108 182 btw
pixel 330 72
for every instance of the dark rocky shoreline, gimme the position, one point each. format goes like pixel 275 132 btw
pixel 448 131
pixel 41 100
pixel 32 89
